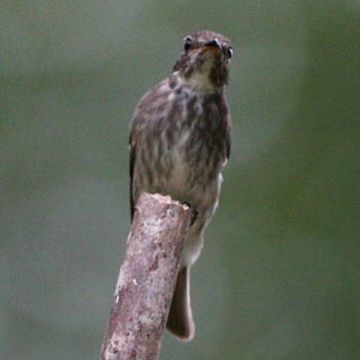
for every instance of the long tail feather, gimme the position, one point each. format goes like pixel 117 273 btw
pixel 180 321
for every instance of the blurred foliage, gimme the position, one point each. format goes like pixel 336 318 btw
pixel 279 275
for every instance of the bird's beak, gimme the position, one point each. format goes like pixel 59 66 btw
pixel 213 46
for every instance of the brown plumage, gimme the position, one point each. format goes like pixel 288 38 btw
pixel 180 141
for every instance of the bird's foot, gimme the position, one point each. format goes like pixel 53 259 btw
pixel 194 212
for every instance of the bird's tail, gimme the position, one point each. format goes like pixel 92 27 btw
pixel 180 321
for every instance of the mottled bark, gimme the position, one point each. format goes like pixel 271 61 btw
pixel 147 279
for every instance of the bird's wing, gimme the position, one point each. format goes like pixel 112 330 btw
pixel 228 142
pixel 132 143
pixel 228 129
pixel 145 105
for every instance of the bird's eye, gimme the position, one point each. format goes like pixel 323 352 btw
pixel 188 42
pixel 230 52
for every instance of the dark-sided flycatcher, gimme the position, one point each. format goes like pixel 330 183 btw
pixel 180 142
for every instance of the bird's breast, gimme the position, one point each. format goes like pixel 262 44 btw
pixel 180 170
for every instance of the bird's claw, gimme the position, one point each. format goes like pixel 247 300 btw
pixel 194 212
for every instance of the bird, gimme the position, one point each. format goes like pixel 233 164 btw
pixel 180 141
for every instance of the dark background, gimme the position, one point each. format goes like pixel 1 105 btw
pixel 279 275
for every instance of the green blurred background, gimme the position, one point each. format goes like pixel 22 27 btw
pixel 279 275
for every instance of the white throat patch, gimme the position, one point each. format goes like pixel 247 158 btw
pixel 199 80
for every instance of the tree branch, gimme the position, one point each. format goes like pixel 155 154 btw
pixel 147 279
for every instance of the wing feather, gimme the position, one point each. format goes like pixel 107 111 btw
pixel 132 144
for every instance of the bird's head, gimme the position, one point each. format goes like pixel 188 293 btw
pixel 204 64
